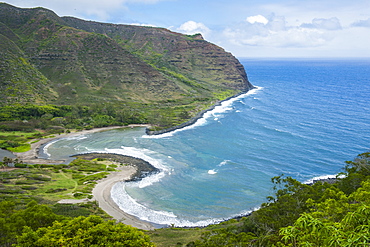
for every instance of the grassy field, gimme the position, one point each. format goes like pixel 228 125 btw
pixel 61 186
pixel 54 182
pixel 168 237
pixel 19 141
pixel 175 237
pixel 48 184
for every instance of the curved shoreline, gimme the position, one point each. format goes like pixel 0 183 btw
pixel 31 156
pixel 102 190
pixel 194 119
pixel 142 168
pixel 102 194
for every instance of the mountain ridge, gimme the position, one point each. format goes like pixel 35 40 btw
pixel 67 61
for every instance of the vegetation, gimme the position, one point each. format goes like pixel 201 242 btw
pixel 38 225
pixel 71 73
pixel 54 119
pixel 320 214
pixel 22 189
pixel 84 231
pixel 51 183
pixel 59 74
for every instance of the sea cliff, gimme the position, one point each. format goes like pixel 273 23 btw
pixel 65 60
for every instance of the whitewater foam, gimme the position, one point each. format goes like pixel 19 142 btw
pixel 212 172
pixel 46 147
pixel 129 205
pixel 323 177
pixel 215 113
pixel 223 163
pixel 144 155
pixel 292 101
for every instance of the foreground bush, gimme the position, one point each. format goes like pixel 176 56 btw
pixel 84 231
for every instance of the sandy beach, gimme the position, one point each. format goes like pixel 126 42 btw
pixel 31 156
pixel 102 194
pixel 102 191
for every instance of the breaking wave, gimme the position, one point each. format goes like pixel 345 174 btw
pixel 215 114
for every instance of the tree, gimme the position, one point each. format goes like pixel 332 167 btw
pixel 355 172
pixel 285 207
pixel 352 230
pixel 13 221
pixel 224 237
pixel 84 231
pixel 7 161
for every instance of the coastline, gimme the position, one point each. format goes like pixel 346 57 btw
pixel 102 190
pixel 31 156
pixel 194 119
pixel 142 168
pixel 102 194
pixel 134 170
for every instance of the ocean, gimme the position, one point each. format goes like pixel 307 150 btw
pixel 304 119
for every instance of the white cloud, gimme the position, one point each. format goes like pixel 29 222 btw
pixel 257 18
pixel 142 24
pixel 322 23
pixel 300 28
pixel 90 9
pixel 361 23
pixel 318 37
pixel 277 33
pixel 192 27
pixel 290 38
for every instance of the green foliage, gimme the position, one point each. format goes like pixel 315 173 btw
pixel 13 221
pixel 51 182
pixel 93 177
pixel 20 148
pixel 224 94
pixel 287 205
pixel 355 172
pixel 38 225
pixel 74 74
pixel 84 231
pixel 87 165
pixel 320 214
pixel 352 230
pixel 81 209
pixel 180 77
pixel 224 237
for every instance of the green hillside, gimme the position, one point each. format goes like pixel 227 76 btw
pixel 331 212
pixel 66 61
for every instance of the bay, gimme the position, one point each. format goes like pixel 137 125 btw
pixel 305 118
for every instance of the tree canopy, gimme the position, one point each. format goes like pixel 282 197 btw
pixel 84 231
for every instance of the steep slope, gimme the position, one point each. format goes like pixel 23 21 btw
pixel 191 56
pixel 85 67
pixel 71 61
pixel 20 82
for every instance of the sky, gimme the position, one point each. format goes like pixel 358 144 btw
pixel 246 28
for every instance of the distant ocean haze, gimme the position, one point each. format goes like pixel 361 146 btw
pixel 305 119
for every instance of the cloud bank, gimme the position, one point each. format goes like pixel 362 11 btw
pixel 274 31
pixel 192 27
pixel 257 19
pixel 362 23
pixel 273 35
pixel 266 28
pixel 88 9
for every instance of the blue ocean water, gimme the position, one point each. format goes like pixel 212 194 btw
pixel 304 120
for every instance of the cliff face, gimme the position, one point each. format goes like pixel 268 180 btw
pixel 68 60
pixel 190 55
